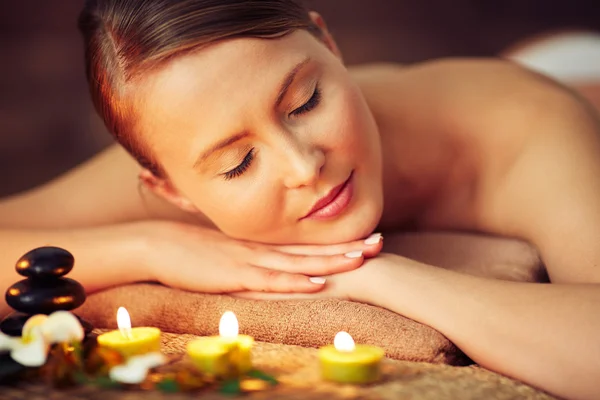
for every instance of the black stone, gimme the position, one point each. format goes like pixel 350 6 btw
pixel 13 324
pixel 45 262
pixel 87 327
pixel 9 369
pixel 45 290
pixel 31 296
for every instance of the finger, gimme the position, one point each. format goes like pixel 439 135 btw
pixel 277 296
pixel 370 247
pixel 258 279
pixel 374 245
pixel 307 264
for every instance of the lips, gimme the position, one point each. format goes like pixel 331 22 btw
pixel 334 202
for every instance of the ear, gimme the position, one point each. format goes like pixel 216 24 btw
pixel 326 37
pixel 163 188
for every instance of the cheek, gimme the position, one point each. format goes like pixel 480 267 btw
pixel 242 209
pixel 351 123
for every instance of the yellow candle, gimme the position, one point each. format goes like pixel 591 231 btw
pixel 130 341
pixel 345 362
pixel 226 355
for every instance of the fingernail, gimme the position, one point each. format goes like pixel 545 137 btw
pixel 318 280
pixel 354 254
pixel 373 239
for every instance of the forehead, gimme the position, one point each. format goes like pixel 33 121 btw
pixel 212 82
pixel 225 65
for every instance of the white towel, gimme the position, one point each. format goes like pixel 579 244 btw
pixel 570 57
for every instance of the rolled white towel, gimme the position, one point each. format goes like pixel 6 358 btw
pixel 569 57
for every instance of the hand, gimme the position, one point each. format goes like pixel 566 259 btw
pixel 204 260
pixel 351 285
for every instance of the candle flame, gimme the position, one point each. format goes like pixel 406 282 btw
pixel 124 322
pixel 343 342
pixel 228 326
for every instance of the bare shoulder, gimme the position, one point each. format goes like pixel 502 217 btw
pixel 450 79
pixel 453 92
pixel 103 190
pixel 524 153
pixel 536 152
pixel 453 124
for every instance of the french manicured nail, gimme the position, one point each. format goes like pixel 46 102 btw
pixel 318 280
pixel 374 238
pixel 354 254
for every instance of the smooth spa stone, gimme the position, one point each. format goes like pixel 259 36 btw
pixel 45 290
pixel 45 263
pixel 34 296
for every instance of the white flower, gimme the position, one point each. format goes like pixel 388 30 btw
pixel 6 342
pixel 39 332
pixel 136 368
pixel 62 327
pixel 36 320
pixel 31 351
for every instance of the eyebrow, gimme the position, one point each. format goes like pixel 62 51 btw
pixel 289 79
pixel 287 82
pixel 220 145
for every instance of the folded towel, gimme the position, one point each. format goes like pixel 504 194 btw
pixel 314 323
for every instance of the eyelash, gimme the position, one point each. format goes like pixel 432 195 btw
pixel 314 101
pixel 310 104
pixel 240 169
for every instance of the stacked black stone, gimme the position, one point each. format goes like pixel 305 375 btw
pixel 45 290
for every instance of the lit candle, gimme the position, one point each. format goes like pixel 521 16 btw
pixel 345 362
pixel 130 341
pixel 226 355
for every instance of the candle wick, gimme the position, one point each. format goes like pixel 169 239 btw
pixel 126 333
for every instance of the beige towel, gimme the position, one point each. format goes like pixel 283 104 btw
pixel 315 323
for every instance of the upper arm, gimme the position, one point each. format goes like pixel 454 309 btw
pixel 104 190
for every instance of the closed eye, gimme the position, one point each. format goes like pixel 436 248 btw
pixel 240 169
pixel 310 104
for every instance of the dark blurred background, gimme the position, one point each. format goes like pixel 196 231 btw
pixel 47 124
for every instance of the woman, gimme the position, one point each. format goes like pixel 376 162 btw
pixel 267 165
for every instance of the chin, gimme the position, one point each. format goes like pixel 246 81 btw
pixel 356 225
pixel 362 223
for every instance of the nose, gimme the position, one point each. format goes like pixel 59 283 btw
pixel 304 164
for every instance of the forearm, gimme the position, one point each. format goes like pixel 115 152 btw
pixel 115 197
pixel 104 256
pixel 542 334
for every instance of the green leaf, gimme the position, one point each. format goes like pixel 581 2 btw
pixel 81 378
pixel 231 387
pixel 78 351
pixel 105 382
pixel 263 376
pixel 168 386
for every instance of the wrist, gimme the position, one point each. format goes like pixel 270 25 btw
pixel 113 255
pixel 154 242
pixel 387 280
pixel 369 280
pixel 142 247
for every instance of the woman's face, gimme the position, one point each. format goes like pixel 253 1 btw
pixel 256 133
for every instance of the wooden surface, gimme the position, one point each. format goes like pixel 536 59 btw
pixel 297 369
